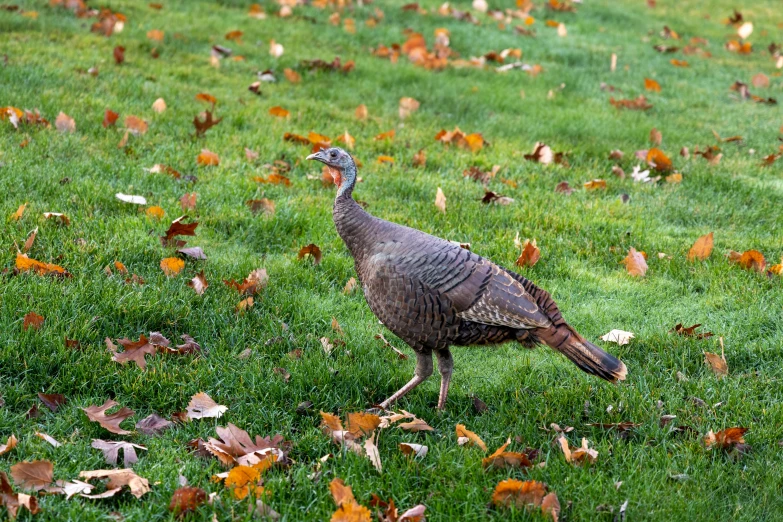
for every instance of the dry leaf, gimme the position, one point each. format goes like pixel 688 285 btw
pixel 310 250
pixel 208 158
pixel 372 453
pixel 526 495
pixel 112 448
pixel 16 216
pixel 235 447
pixel 464 436
pixel 361 112
pixel 34 475
pixel 717 362
pixel 620 337
pixel 153 425
pixel 112 421
pixel 750 259
pixel 690 331
pixel 136 200
pixel 416 425
pixel 110 118
pixel 702 248
pixel 530 254
pixel 187 499
pixel 135 125
pixel 279 112
pixel 159 105
pixel 440 200
pixel 652 85
pixel 32 320
pixel 172 266
pixel 13 501
pixel 201 406
pixel 361 424
pixel 199 283
pixel 579 455
pixel 255 281
pixel 53 401
pixel 595 184
pixel 506 459
pixel 48 438
pixel 635 264
pixel 407 107
pixel 414 450
pixel 10 444
pixel 117 479
pixel 65 123
pixel 349 286
pixel 658 160
pixel 60 218
pixel 726 439
pixel 24 264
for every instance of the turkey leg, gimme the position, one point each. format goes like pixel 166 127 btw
pixel 423 371
pixel 445 366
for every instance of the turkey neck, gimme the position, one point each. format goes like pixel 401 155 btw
pixel 356 227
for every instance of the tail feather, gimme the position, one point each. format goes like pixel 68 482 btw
pixel 587 356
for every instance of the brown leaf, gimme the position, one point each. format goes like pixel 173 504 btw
pixel 311 250
pixel 153 425
pixel 440 200
pixel 702 248
pixel 416 425
pixel 512 492
pixel 65 123
pixel 198 283
pixel 361 424
pixel 407 107
pixel 178 228
pixel 110 118
pixel 638 104
pixel 717 363
pixel 655 136
pixel 279 112
pixel 530 254
pixel 725 439
pixel 235 447
pixel 595 184
pixel 361 112
pixel 255 281
pixel 564 188
pixel 187 499
pixel 292 76
pixel 750 259
pixel 506 459
pixel 371 450
pixel 206 97
pixel 117 479
pixel 112 421
pixel 203 126
pixel 188 201
pixel 13 501
pixel 267 206
pixel 32 320
pixel 135 351
pixel 10 444
pixel 51 440
pixel 658 160
pixel 413 450
pixel 635 264
pixel 34 475
pixel 464 436
pixel 652 85
pixel 112 448
pixel 53 401
pixel 349 286
pixel 690 331
pixel 578 455
pixel 135 125
pixel 201 406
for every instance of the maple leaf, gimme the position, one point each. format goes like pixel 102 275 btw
pixel 361 424
pixel 111 451
pixel 255 281
pixel 153 425
pixel 178 228
pixel 506 459
pixel 198 283
pixel 620 337
pixel 10 444
pixel 310 250
pixel 187 499
pixel 203 126
pixel 112 421
pixel 348 510
pixel 635 263
pixel 530 254
pixel 201 406
pixel 53 401
pixel 35 475
pixel 118 478
pixel 726 439
pixel 135 351
pixel 32 320
pixel 235 447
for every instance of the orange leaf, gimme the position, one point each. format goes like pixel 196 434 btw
pixel 311 250
pixel 385 159
pixel 658 160
pixel 469 436
pixel 635 263
pixel 32 320
pixel 750 259
pixel 361 112
pixel 512 492
pixel 109 118
pixel 206 98
pixel 652 85
pixel 679 63
pixel 16 216
pixel 725 439
pixel 594 184
pixel 702 248
pixel 156 212
pixel 351 513
pixel 474 141
pixel 24 263
pixel 385 135
pixel 155 34
pixel 187 499
pixel 279 112
pixel 172 266
pixel 234 35
pixel 135 125
pixel 292 76
pixel 530 254
pixel 208 158
pixel 341 493
pixel 361 424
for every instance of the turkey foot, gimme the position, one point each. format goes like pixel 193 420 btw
pixel 423 371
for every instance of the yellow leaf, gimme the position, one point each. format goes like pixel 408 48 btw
pixel 469 436
pixel 156 212
pixel 172 266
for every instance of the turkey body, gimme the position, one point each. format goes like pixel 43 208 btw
pixel 434 294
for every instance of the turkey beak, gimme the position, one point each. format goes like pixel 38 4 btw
pixel 318 156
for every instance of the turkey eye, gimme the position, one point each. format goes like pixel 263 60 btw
pixel 333 154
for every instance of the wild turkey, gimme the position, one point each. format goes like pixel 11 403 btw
pixel 434 294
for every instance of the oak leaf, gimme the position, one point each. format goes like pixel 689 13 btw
pixel 524 495
pixel 203 126
pixel 111 449
pixel 110 118
pixel 117 479
pixel 235 447
pixel 112 421
pixel 35 475
pixel 153 425
pixel 201 406
pixel 53 401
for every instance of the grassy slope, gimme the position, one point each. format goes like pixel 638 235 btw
pixel 525 390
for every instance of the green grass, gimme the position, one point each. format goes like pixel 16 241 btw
pixel 582 238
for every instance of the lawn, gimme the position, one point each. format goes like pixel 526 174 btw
pixel 666 474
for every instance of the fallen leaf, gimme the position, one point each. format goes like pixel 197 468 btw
pixel 112 448
pixel 690 331
pixel 292 76
pixel 193 253
pixel 178 228
pixel 24 264
pixel 372 453
pixel 388 135
pixel 440 200
pixel 264 205
pixel 159 105
pixel 348 510
pixel 65 123
pixel 530 254
pixel 595 184
pixel 136 200
pixel 750 259
pixel 717 363
pixel 635 264
pixel 255 281
pixel 580 455
pixel 415 425
pixel 525 495
pixel 349 286
pixel 361 112
pixel 110 118
pixel 198 283
pixel 620 337
pixel 51 440
pixel 208 158
pixel 310 250
pixel 725 439
pixel 32 320
pixel 361 424
pixel 117 479
pixel 53 401
pixel 203 126
pixel 28 244
pixel 16 216
pixel 639 104
pixel 155 212
pixel 153 425
pixel 235 447
pixel 10 444
pixel 112 421
pixel 564 188
pixel 279 112
pixel 13 501
pixel 187 499
pixel 172 266
pixel 413 450
pixel 201 406
pixel 34 475
pixel 464 436
pixel 407 107
pixel 652 85
pixel 506 459
pixel 135 125
pixel 658 160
